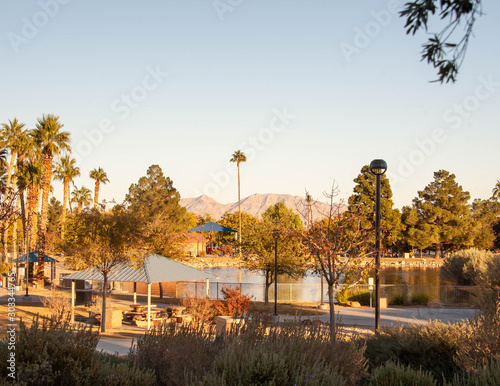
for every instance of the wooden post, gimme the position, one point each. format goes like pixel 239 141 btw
pixel 208 288
pixel 135 292
pixel 149 306
pixel 73 286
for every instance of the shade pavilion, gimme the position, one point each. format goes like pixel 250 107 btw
pixel 153 269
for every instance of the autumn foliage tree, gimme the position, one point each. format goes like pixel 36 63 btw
pixel 102 240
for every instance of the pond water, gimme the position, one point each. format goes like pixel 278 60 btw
pixel 389 275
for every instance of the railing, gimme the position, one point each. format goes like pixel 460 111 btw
pixel 295 292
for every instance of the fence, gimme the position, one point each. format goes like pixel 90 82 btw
pixel 311 293
pixel 293 292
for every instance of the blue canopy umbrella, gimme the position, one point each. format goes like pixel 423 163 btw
pixel 211 227
pixel 33 258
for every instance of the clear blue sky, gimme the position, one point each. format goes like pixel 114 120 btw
pixel 294 84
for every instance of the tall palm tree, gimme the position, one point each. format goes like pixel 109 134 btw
pixel 238 157
pixel 10 134
pixel 99 175
pixel 23 146
pixel 66 170
pixel 30 179
pixel 51 140
pixel 82 196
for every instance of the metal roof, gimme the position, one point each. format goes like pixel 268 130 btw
pixel 154 269
pixel 211 227
pixel 34 258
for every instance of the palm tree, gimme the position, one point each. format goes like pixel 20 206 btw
pixel 51 140
pixel 238 157
pixel 496 191
pixel 10 134
pixel 99 175
pixel 82 196
pixel 65 171
pixel 30 179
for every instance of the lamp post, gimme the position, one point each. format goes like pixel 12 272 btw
pixel 377 167
pixel 276 237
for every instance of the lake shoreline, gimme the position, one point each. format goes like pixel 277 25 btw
pixel 211 261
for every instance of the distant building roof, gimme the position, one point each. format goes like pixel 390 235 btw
pixel 154 269
pixel 211 227
pixel 34 258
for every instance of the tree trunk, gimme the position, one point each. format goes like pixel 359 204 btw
pixel 438 251
pixel 46 179
pixel 103 312
pixel 33 193
pixel 14 231
pixel 333 326
pixel 96 194
pixel 63 214
pixel 239 209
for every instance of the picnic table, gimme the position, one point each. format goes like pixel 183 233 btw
pixel 141 307
pixel 175 310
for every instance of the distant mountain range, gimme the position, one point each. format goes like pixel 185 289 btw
pixel 255 205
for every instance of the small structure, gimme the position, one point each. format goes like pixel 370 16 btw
pixel 195 243
pixel 212 227
pixel 33 258
pixel 153 269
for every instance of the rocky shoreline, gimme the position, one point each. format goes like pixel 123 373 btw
pixel 208 262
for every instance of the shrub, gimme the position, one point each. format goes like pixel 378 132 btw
pixel 479 340
pixel 488 375
pixel 234 303
pixel 287 354
pixel 467 267
pixel 201 309
pixel 421 299
pixel 431 347
pixel 395 374
pixel 399 300
pixel 59 306
pixel 343 295
pixel 176 354
pixel 60 354
pixel 346 295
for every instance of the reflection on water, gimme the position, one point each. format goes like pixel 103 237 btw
pixel 390 275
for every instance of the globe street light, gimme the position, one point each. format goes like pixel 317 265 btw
pixel 377 167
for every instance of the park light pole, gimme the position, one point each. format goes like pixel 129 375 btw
pixel 276 235
pixel 377 167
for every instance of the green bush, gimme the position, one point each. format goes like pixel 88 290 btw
pixel 59 354
pixel 431 347
pixel 258 354
pixel 488 375
pixel 399 300
pixel 176 354
pixel 421 299
pixel 467 267
pixel 395 374
pixel 345 296
pixel 287 354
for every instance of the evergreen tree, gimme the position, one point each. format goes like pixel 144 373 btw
pixel 155 203
pixel 443 213
pixel 363 202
